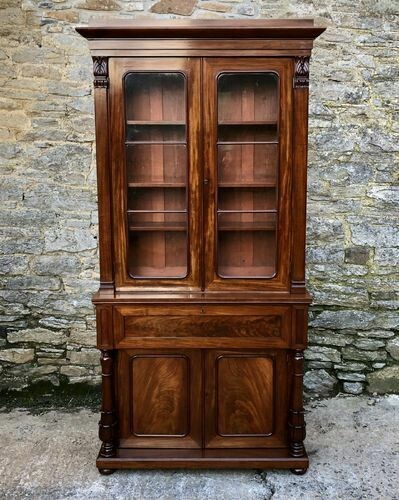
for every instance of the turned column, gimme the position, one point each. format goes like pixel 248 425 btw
pixel 296 419
pixel 107 422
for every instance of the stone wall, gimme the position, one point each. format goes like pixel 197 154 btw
pixel 48 214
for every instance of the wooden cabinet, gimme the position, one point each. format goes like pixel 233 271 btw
pixel 201 139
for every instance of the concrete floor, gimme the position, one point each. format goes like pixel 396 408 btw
pixel 353 443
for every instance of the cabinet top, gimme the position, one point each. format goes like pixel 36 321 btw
pixel 196 28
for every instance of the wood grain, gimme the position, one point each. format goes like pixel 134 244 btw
pixel 160 398
pixel 245 391
pixel 245 398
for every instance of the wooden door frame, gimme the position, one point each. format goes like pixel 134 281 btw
pixel 278 436
pixel 212 68
pixel 192 438
pixel 190 67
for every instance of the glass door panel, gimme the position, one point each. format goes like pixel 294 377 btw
pixel 247 152
pixel 156 169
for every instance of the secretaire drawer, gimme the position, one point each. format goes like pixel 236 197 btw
pixel 202 326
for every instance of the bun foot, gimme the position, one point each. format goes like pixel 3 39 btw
pixel 299 472
pixel 106 472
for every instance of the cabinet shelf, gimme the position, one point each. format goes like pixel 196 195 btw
pixel 158 226
pixel 155 142
pixel 246 272
pixel 249 122
pixel 261 184
pixel 154 184
pixel 247 226
pixel 145 272
pixel 153 122
pixel 239 143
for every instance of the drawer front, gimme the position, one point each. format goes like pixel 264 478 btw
pixel 202 326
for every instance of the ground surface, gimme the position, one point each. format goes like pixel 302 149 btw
pixel 353 443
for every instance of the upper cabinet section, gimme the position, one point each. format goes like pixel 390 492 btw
pixel 201 139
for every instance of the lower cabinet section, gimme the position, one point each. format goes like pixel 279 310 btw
pixel 192 398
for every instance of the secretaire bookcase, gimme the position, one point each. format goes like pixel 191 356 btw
pixel 201 136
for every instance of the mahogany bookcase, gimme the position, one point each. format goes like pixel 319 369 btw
pixel 201 137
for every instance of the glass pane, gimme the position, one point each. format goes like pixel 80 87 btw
pixel 156 169
pixel 248 124
pixel 158 254
pixel 155 133
pixel 247 133
pixel 156 164
pixel 155 97
pixel 248 98
pixel 246 245
pixel 248 164
pixel 246 199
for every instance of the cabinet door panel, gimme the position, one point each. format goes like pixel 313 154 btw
pixel 160 395
pixel 155 109
pixel 245 399
pixel 247 105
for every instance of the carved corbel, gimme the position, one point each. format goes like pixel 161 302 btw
pixel 301 75
pixel 100 71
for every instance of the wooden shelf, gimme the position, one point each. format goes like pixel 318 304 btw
pixel 158 272
pixel 247 226
pixel 150 122
pixel 161 143
pixel 246 271
pixel 239 143
pixel 245 123
pixel 262 184
pixel 158 226
pixel 154 184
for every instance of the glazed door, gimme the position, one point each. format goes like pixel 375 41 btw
pixel 155 112
pixel 160 398
pixel 245 399
pixel 247 172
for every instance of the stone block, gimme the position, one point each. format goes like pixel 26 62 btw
pixel 384 381
pixel 55 264
pixel 329 337
pixel 357 255
pixel 214 6
pixel 322 353
pixel 247 9
pixel 180 7
pixel 378 334
pixel 354 388
pixel 393 348
pixel 343 319
pixel 84 357
pixel 37 336
pixel 82 337
pixel 73 371
pixel 352 377
pixel 354 354
pixel 368 344
pixel 16 355
pixel 350 366
pixel 320 382
pixel 106 5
